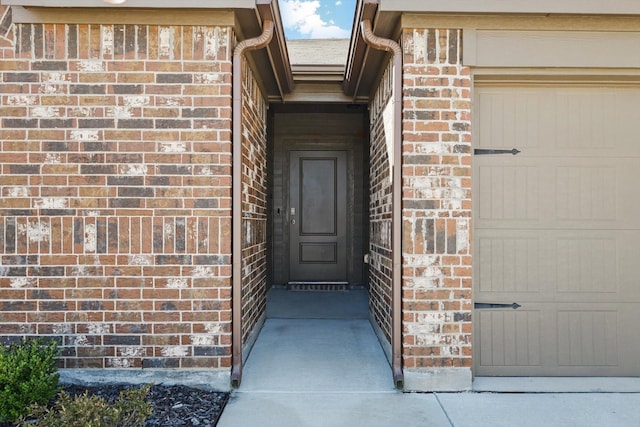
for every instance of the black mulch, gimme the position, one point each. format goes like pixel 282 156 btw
pixel 173 406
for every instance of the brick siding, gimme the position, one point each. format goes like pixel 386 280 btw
pixel 254 202
pixel 437 281
pixel 115 217
pixel 6 33
pixel 380 206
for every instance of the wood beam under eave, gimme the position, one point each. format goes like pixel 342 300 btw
pixel 325 92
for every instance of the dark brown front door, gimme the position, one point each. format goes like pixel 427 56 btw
pixel 318 216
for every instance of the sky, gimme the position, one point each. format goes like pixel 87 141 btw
pixel 317 19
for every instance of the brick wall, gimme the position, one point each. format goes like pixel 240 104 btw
pixel 115 217
pixel 254 202
pixel 380 206
pixel 437 282
pixel 6 33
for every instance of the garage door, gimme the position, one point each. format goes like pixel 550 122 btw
pixel 557 231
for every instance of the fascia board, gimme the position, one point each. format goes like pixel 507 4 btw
pixel 31 15
pixel 152 4
pixel 599 7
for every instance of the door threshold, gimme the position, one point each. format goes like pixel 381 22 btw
pixel 318 286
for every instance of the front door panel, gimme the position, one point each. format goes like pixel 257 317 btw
pixel 317 216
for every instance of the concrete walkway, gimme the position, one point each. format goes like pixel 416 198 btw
pixel 432 410
pixel 330 371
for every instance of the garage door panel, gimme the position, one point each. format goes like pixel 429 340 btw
pixel 509 337
pixel 588 338
pixel 557 340
pixel 557 231
pixel 591 265
pixel 511 118
pixel 595 193
pixel 558 193
pixel 598 339
pixel 508 264
pixel 586 193
pixel 629 269
pixel 586 265
pixel 566 265
pixel 509 192
pixel 584 121
pixel 567 121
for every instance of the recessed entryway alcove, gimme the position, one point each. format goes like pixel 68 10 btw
pixel 319 333
pixel 319 194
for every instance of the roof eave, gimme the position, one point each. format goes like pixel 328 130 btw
pixel 272 64
pixel 385 17
pixel 357 83
pixel 357 48
pixel 278 81
pixel 571 7
pixel 277 53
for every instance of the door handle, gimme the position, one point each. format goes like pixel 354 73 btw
pixel 293 221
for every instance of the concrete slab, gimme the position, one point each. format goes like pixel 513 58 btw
pixel 312 355
pixel 351 304
pixel 534 410
pixel 314 365
pixel 334 410
pixel 448 379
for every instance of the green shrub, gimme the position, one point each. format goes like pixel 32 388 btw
pixel 28 375
pixel 131 409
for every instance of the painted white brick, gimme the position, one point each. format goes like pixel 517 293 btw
pixel 92 65
pixel 166 41
pixel 45 112
pixel 90 238
pixel 107 40
pixel 36 232
pixel 51 203
pixel 138 169
pixel 22 100
pixel 173 147
pixel 134 101
pixel 177 283
pixel 22 282
pixel 85 135
pixel 140 259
